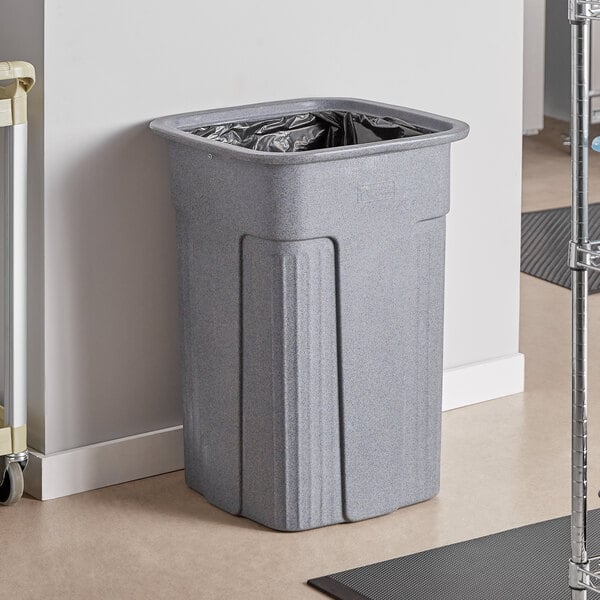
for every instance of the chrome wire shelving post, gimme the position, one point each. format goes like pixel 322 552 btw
pixel 580 114
pixel 584 572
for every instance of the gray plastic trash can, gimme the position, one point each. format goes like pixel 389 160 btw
pixel 312 288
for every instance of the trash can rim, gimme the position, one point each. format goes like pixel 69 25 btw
pixel 176 128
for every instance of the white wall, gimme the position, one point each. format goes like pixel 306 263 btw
pixel 557 102
pixel 111 340
pixel 533 65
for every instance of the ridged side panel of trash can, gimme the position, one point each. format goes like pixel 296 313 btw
pixel 290 436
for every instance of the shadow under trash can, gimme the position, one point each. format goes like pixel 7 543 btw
pixel 311 241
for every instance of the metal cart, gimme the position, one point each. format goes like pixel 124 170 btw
pixel 16 79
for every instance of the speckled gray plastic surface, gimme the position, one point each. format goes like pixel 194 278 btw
pixel 312 313
pixel 528 563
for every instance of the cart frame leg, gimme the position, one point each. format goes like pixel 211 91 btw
pixel 16 79
pixel 15 294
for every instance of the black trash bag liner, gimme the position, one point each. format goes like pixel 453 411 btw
pixel 310 131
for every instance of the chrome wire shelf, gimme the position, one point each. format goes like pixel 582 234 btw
pixel 583 9
pixel 585 256
pixel 589 575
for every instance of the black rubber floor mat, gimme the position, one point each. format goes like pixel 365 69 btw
pixel 545 238
pixel 528 563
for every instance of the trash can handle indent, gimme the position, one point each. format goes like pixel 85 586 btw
pixel 17 79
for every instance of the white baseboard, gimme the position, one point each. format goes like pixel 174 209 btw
pixel 117 461
pixel 107 463
pixel 477 382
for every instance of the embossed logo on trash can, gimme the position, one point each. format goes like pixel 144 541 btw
pixel 378 191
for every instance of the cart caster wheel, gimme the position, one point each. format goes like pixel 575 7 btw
pixel 11 489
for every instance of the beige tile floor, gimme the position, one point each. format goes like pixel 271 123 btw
pixel 505 463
